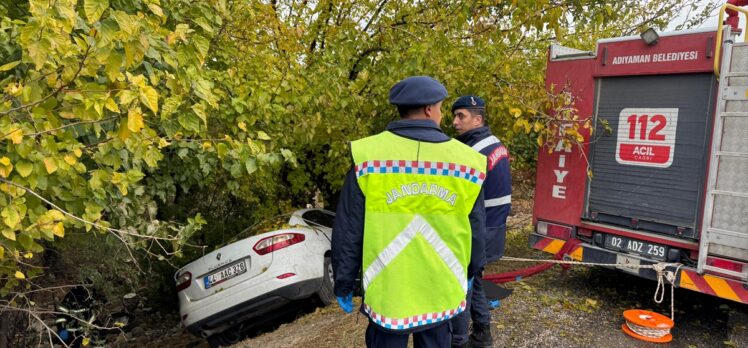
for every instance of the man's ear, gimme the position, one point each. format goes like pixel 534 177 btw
pixel 428 110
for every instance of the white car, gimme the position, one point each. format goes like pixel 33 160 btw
pixel 245 280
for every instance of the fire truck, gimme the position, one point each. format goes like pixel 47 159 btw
pixel 669 180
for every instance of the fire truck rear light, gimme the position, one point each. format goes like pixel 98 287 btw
pixel 277 242
pixel 585 232
pixel 553 230
pixel 286 275
pixel 183 281
pixel 725 264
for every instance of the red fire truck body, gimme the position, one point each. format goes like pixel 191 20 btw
pixel 670 182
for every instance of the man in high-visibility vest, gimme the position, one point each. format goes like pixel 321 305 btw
pixel 411 221
pixel 470 123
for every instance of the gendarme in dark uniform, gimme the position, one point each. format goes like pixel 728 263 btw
pixel 470 124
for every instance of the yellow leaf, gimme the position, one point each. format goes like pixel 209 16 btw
pixel 207 145
pixel 77 152
pixel 70 159
pixel 56 214
pixel 16 136
pixel 262 135
pixel 156 10
pixel 9 234
pixel 59 230
pixel 134 120
pixel 11 65
pixel 5 161
pixel 67 114
pixel 2 252
pixel 162 143
pixel 111 105
pixel 123 133
pixel 20 275
pixel 515 112
pixel 28 255
pixel 149 98
pixel 5 170
pixel 591 302
pixel 50 164
pixel 242 126
pixel 86 341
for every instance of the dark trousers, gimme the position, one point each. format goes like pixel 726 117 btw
pixel 435 337
pixel 477 308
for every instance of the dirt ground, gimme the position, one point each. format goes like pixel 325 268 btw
pixel 581 307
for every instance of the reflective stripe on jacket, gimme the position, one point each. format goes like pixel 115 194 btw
pixel 417 235
pixel 497 188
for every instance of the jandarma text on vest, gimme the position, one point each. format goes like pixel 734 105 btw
pixel 420 188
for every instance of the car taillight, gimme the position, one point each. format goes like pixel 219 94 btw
pixel 553 230
pixel 277 242
pixel 183 281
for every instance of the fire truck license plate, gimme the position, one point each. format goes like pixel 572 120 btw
pixel 634 246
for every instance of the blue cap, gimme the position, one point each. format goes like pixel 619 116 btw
pixel 468 102
pixel 417 90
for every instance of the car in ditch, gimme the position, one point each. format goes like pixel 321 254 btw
pixel 245 281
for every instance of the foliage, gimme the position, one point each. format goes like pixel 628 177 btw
pixel 141 119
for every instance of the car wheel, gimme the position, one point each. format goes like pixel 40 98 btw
pixel 325 293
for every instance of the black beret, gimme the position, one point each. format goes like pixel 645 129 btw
pixel 416 91
pixel 468 102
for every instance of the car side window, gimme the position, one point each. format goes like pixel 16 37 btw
pixel 319 218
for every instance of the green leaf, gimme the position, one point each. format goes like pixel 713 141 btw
pixel 202 45
pixel 262 135
pixel 26 241
pixel 251 165
pixel 113 65
pixel 189 121
pixel 199 110
pixel 39 51
pixel 94 9
pixel 128 24
pixel 149 98
pixel 11 65
pixel 9 234
pixel 24 168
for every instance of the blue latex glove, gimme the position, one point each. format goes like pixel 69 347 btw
pixel 494 303
pixel 470 284
pixel 63 334
pixel 346 303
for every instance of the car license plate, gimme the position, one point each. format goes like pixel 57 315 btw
pixel 225 274
pixel 634 246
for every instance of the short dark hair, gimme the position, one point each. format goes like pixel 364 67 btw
pixel 407 110
pixel 478 112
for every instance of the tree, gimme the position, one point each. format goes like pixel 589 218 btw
pixel 138 118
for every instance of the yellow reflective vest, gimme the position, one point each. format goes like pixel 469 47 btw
pixel 417 235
